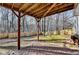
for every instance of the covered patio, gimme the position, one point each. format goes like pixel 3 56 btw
pixel 38 11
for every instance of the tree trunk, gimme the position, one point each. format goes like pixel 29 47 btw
pixel 57 28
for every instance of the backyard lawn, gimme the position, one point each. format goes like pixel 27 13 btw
pixel 56 38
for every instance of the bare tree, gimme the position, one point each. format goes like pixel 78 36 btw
pixel 57 20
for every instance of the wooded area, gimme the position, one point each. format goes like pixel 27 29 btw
pixel 50 24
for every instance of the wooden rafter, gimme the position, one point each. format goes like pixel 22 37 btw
pixel 61 9
pixel 22 7
pixel 2 4
pixel 41 14
pixel 35 5
pixel 42 7
pixel 32 7
pixel 57 8
pixel 42 11
pixel 12 5
pixel 53 5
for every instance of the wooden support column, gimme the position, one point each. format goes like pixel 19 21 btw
pixel 38 27
pixel 19 30
pixel 38 30
pixel 19 18
pixel 44 26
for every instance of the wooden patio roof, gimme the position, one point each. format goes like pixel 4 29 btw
pixel 39 10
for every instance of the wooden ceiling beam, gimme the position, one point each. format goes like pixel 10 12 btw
pixel 22 7
pixel 2 4
pixel 42 11
pixel 40 8
pixel 12 6
pixel 51 7
pixel 32 7
pixel 55 10
pixel 9 6
pixel 24 12
pixel 41 14
pixel 65 8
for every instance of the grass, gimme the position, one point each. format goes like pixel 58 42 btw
pixel 4 35
pixel 15 35
pixel 52 38
pixel 56 38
